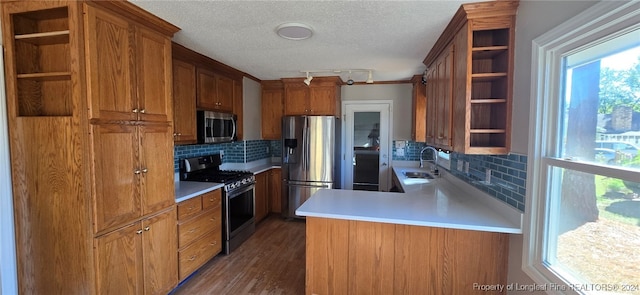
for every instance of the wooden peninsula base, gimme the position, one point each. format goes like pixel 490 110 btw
pixel 359 257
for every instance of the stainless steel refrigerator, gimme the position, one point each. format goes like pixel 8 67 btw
pixel 310 158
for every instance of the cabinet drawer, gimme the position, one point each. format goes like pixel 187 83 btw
pixel 189 207
pixel 211 199
pixel 198 253
pixel 198 226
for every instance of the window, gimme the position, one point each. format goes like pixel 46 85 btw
pixel 584 186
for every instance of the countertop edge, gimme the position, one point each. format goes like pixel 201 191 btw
pixel 509 221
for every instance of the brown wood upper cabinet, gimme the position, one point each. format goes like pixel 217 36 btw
pixel 130 76
pixel 322 97
pixel 419 106
pixel 272 109
pixel 480 40
pixel 439 91
pixel 215 92
pixel 184 102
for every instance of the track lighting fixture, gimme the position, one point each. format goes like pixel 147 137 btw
pixel 370 78
pixel 308 79
pixel 349 81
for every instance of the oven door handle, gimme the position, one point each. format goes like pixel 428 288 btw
pixel 236 193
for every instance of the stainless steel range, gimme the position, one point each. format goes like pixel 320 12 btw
pixel 238 198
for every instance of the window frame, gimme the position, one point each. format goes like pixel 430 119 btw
pixel 602 21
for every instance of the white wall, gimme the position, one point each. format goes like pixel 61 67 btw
pixel 399 93
pixel 534 18
pixel 251 109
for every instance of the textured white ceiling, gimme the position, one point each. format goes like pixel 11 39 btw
pixel 391 37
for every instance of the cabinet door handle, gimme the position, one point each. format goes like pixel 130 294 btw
pixel 214 243
pixel 137 172
pixel 192 231
pixel 134 111
pixel 142 111
pixel 147 228
pixel 145 170
pixel 213 219
pixel 192 258
pixel 138 231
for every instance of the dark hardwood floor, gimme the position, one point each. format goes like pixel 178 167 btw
pixel 272 261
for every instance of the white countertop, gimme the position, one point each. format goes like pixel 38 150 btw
pixel 445 202
pixel 185 190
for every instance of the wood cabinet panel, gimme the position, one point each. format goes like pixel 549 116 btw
pixel 327 251
pixel 184 102
pixel 153 75
pixel 371 257
pixel 207 96
pixel 322 97
pixel 261 196
pixel 190 230
pixel 198 253
pixel 224 93
pixel 138 258
pixel 215 91
pixel 322 100
pixel 119 261
pixel 296 100
pixel 358 257
pixel 116 185
pixel 419 106
pixel 140 181
pixel 159 245
pixel 110 73
pixel 212 199
pixel 156 165
pixel 272 109
pixel 190 207
pixel 199 231
pixel 275 189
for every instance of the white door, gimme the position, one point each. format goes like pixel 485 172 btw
pixel 367 140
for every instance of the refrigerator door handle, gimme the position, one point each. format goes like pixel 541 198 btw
pixel 309 185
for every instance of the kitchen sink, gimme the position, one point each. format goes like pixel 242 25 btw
pixel 413 174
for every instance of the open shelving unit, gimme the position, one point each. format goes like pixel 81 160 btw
pixel 489 88
pixel 42 59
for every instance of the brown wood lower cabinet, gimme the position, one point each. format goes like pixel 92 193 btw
pixel 199 231
pixel 138 258
pixel 358 257
pixel 262 196
pixel 275 189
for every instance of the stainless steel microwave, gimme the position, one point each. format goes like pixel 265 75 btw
pixel 214 127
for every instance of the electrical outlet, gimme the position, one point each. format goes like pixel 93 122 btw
pixel 267 150
pixel 487 176
pixel 466 167
pixel 400 152
pixel 221 154
pixel 460 165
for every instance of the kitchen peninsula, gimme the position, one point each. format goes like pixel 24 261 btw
pixel 441 236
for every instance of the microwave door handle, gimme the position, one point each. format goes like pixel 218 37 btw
pixel 233 134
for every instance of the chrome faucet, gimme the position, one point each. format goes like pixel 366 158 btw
pixel 434 168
